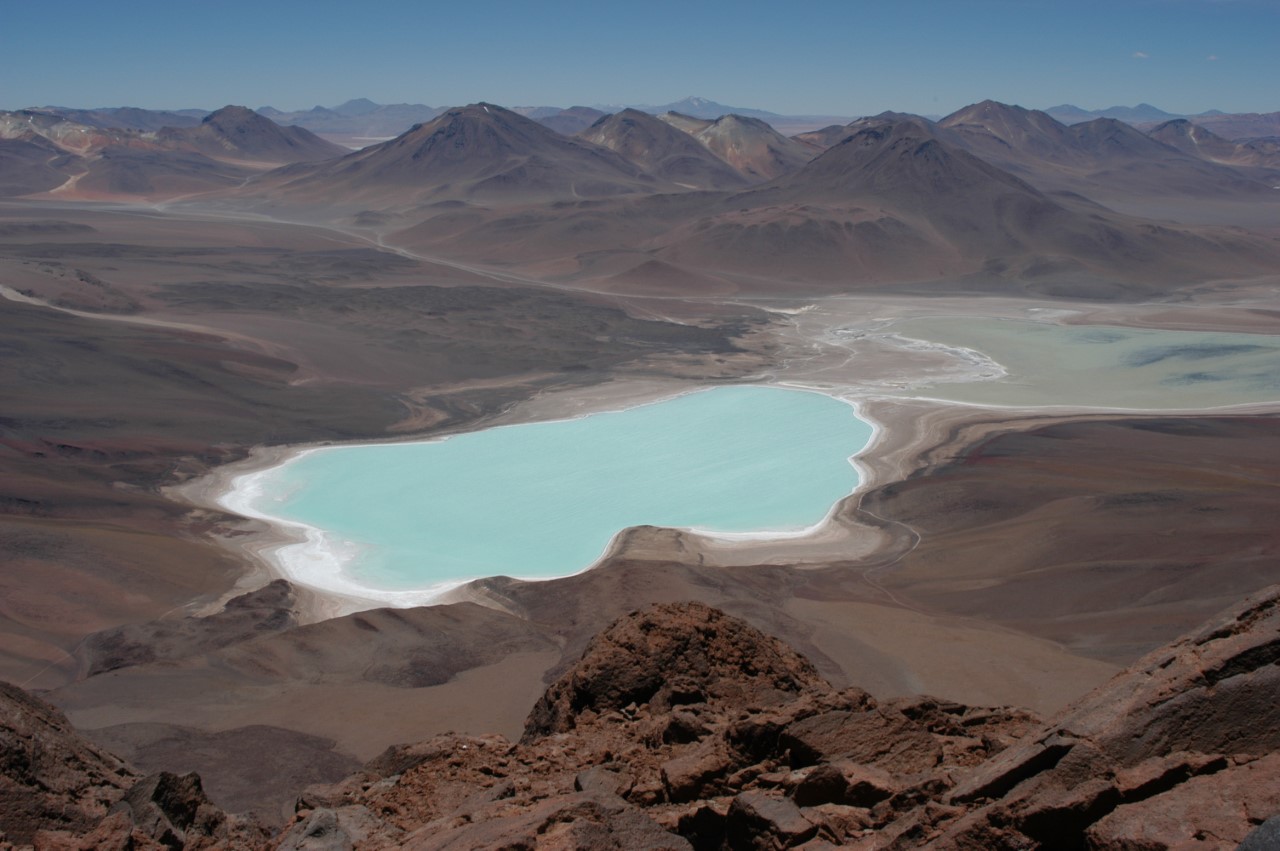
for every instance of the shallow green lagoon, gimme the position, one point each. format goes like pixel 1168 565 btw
pixel 545 499
pixel 1106 366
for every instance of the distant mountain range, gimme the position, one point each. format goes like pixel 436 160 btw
pixel 1246 125
pixel 361 121
pixel 1143 112
pixel 995 195
pixel 358 122
pixel 698 107
pixel 128 117
pixel 1103 158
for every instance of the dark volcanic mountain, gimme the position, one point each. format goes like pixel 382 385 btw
pixel 1068 114
pixel 238 133
pixel 1130 159
pixel 901 163
pixel 662 150
pixel 477 151
pixel 997 131
pixel 1102 158
pixel 825 137
pixel 751 146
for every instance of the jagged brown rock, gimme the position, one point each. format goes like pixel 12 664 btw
pixel 684 728
pixel 1177 751
pixel 683 653
pixel 61 792
pixel 51 777
pixel 675 729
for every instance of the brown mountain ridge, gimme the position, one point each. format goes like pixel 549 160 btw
pixel 750 145
pixel 47 151
pixel 1099 158
pixel 480 151
pixel 663 150
pixel 893 204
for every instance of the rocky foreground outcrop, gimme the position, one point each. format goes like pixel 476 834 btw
pixel 60 792
pixel 682 727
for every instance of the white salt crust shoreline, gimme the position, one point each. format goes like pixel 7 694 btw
pixel 315 559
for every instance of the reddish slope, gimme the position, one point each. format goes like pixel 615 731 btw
pixel 751 146
pixel 123 163
pixel 662 150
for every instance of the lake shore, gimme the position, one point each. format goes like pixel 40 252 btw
pixel 903 432
pixel 910 432
pixel 309 558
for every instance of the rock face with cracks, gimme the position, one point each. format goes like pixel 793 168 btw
pixel 60 792
pixel 684 728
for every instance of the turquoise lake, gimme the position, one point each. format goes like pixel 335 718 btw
pixel 544 499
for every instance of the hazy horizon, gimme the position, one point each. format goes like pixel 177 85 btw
pixel 566 105
pixel 850 58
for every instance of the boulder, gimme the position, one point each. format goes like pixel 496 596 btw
pixel 758 820
pixel 878 736
pixel 677 653
pixel 1213 810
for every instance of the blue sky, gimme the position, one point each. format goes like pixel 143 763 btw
pixel 836 58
